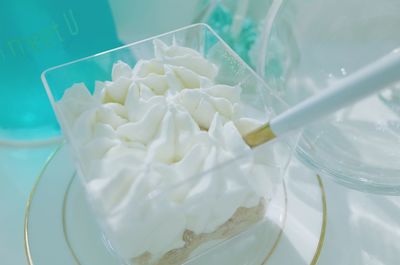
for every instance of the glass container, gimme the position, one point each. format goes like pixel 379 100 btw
pixel 147 210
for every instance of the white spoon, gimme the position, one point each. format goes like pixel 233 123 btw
pixel 357 86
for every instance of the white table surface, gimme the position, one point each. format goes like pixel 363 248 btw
pixel 361 229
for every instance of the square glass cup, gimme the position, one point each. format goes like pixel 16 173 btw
pixel 181 220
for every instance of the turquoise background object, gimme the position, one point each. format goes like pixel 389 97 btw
pixel 221 20
pixel 35 35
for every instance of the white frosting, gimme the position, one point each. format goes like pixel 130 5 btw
pixel 147 141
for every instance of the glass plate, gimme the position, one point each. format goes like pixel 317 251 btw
pixel 60 229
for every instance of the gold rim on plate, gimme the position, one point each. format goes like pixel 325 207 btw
pixel 74 256
pixel 28 204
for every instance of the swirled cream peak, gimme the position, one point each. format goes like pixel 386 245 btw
pixel 147 141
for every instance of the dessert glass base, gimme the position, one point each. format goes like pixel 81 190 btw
pixel 60 229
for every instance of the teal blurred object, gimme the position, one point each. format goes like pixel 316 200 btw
pixel 240 35
pixel 35 35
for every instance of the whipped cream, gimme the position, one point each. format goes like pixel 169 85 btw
pixel 147 141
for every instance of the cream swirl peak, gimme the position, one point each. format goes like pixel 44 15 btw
pixel 147 141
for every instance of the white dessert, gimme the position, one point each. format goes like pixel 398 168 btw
pixel 147 141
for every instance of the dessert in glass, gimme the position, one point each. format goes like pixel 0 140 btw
pixel 156 130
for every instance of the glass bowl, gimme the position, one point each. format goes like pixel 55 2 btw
pixel 146 209
pixel 307 46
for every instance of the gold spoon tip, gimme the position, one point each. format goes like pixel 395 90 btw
pixel 259 136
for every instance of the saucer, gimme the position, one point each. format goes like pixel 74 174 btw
pixel 60 228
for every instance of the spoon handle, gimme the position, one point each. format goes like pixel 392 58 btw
pixel 364 82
